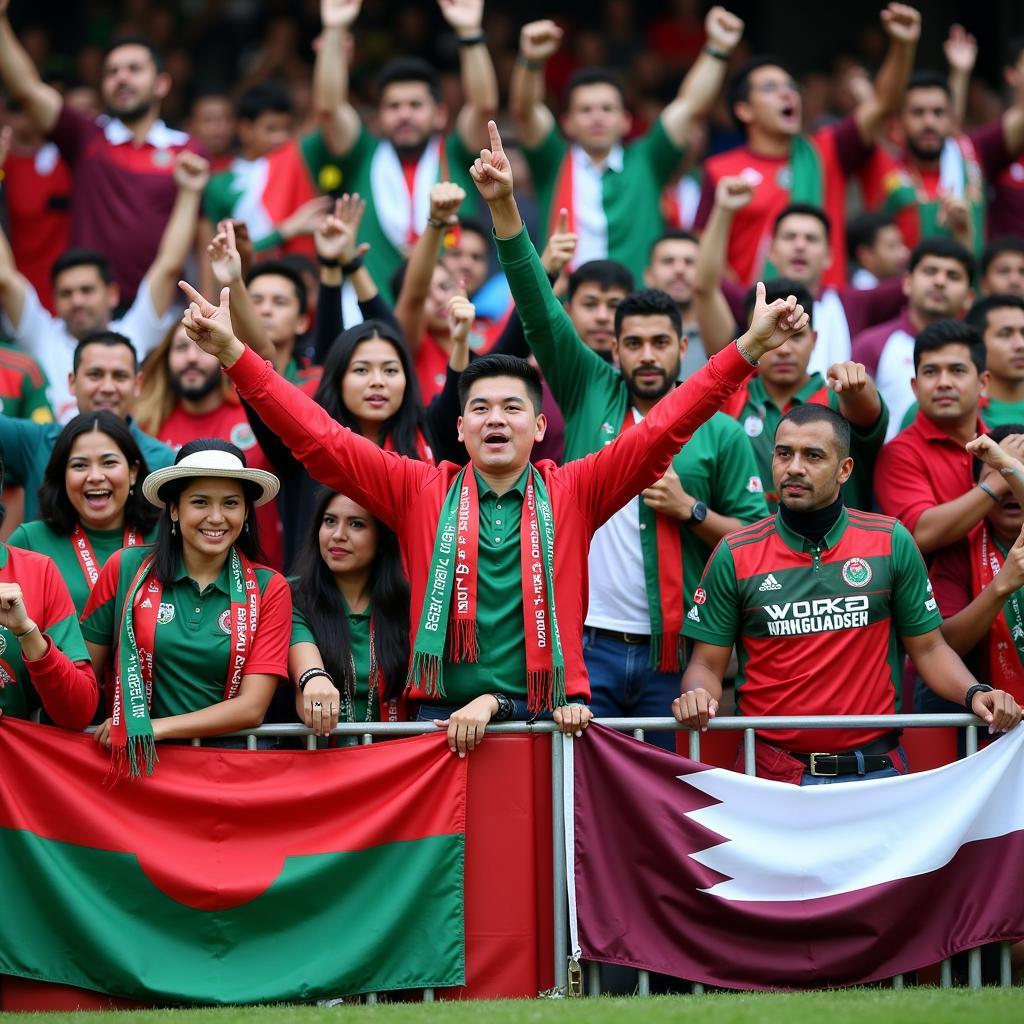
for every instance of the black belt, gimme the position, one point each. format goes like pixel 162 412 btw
pixel 874 758
pixel 623 638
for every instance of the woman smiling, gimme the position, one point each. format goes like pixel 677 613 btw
pixel 197 628
pixel 90 502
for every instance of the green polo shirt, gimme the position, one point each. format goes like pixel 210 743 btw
pixel 359 638
pixel 631 183
pixel 715 466
pixel 51 612
pixel 760 417
pixel 501 663
pixel 39 536
pixel 357 175
pixel 193 633
pixel 26 447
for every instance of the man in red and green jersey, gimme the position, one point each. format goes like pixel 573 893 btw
pixel 646 559
pixel 783 382
pixel 273 184
pixel 395 171
pixel 612 191
pixel 927 186
pixel 787 166
pixel 819 602
pixel 23 387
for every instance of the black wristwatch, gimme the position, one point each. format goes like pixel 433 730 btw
pixel 969 695
pixel 506 708
pixel 698 514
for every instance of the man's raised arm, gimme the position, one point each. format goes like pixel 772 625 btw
pixel 21 78
pixel 903 26
pixel 538 41
pixel 479 79
pixel 337 117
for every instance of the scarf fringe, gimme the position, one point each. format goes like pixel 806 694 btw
pixel 545 690
pixel 463 644
pixel 666 652
pixel 426 669
pixel 129 760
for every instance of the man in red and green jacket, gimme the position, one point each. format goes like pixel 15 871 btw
pixel 819 602
pixel 523 530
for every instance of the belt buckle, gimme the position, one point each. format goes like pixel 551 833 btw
pixel 813 769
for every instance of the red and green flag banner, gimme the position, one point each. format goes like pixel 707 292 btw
pixel 232 876
pixel 717 877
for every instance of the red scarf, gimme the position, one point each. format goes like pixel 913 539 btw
pixel 87 560
pixel 1003 650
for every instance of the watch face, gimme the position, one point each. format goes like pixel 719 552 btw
pixel 699 512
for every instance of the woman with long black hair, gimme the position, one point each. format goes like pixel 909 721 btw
pixel 197 627
pixel 90 502
pixel 350 635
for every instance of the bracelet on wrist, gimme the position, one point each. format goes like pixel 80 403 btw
pixel 31 629
pixel 354 264
pixel 506 708
pixel 329 264
pixel 746 355
pixel 969 695
pixel 531 65
pixel 476 40
pixel 1011 471
pixel 713 51
pixel 988 490
pixel 312 673
pixel 434 222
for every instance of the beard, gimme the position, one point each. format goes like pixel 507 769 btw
pixel 195 392
pixel 655 390
pixel 129 115
pixel 925 155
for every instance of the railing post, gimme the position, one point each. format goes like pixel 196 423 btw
pixel 749 756
pixel 558 874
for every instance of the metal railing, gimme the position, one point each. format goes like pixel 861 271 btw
pixel 638 727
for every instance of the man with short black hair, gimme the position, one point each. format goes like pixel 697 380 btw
pixel 924 475
pixel 105 375
pixel 280 300
pixel 1000 319
pixel 821 602
pixel 875 246
pixel 122 166
pixel 1002 267
pixel 672 268
pixel 611 188
pixel 395 172
pixel 595 290
pixel 937 286
pixel 786 166
pixel 86 293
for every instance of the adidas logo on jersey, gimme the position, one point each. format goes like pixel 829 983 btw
pixel 693 614
pixel 770 583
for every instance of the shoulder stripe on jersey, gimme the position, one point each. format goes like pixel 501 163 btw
pixel 758 527
pixel 24 362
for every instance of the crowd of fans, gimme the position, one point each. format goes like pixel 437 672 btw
pixel 744 399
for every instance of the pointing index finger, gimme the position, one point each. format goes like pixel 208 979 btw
pixel 492 131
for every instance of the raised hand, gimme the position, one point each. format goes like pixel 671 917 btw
pixel 902 23
pixel 733 193
pixel 336 238
pixel 465 16
pixel 961 49
pixel 1010 577
pixel 723 29
pixel 561 246
pixel 491 171
pixel 339 13
pixel 225 262
pixel 539 40
pixel 243 243
pixel 13 613
pixel 847 378
pixel 191 171
pixel 306 219
pixel 6 134
pixel 461 315
pixel 209 326
pixel 772 325
pixel 445 199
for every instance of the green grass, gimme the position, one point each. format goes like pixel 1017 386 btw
pixel 927 1006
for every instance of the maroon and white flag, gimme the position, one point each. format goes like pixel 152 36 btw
pixel 739 882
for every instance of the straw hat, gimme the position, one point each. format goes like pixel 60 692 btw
pixel 211 462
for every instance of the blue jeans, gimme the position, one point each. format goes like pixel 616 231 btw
pixel 623 685
pixel 883 773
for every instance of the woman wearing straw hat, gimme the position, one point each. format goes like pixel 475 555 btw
pixel 198 630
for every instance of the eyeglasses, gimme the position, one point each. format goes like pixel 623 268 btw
pixel 770 88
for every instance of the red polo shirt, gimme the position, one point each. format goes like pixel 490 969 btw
pixel 922 467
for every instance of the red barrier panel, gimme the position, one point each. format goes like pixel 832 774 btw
pixel 509 932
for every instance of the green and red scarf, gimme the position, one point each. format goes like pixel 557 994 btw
pixel 132 746
pixel 448 621
pixel 1005 641
pixel 86 558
